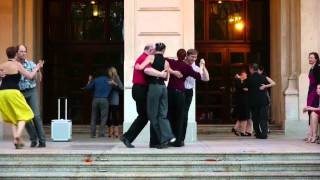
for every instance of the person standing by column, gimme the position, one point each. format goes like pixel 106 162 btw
pixel 190 82
pixel 28 87
pixel 139 95
pixel 314 79
pixel 117 88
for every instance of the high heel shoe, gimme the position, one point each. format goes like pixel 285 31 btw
pixel 235 132
pixel 312 140
pixel 17 143
pixel 18 146
pixel 249 134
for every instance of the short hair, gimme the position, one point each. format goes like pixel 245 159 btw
pixel 160 46
pixel 18 47
pixel 11 52
pixel 148 47
pixel 192 52
pixel 181 54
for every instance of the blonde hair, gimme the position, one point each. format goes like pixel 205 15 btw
pixel 112 72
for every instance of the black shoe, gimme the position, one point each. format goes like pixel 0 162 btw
pixel 33 144
pixel 262 137
pixel 126 142
pixel 163 146
pixel 42 145
pixel 153 145
pixel 248 134
pixel 175 144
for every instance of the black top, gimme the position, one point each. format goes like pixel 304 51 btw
pixel 257 97
pixel 10 81
pixel 157 64
pixel 241 96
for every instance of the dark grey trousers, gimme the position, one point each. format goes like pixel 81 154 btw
pixel 100 109
pixel 34 127
pixel 157 110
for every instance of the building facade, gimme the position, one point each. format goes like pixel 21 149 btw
pixel 293 33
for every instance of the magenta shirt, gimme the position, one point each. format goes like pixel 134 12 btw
pixel 138 75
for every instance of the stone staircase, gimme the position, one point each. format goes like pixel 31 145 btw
pixel 160 165
pixel 202 129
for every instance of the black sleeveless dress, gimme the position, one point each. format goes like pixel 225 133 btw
pixel 13 106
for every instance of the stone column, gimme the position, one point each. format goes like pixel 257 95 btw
pixel 168 21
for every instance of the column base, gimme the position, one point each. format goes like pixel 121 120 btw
pixel 296 128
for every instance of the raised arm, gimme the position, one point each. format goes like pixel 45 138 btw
pixel 205 74
pixel 27 74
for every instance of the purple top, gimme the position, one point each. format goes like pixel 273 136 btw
pixel 312 89
pixel 185 69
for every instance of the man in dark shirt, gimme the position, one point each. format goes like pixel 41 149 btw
pixel 258 101
pixel 100 104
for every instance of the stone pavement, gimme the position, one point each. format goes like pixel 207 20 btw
pixel 217 143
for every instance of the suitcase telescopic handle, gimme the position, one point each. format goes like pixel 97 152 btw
pixel 65 107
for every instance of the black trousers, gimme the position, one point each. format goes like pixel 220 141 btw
pixel 139 94
pixel 176 114
pixel 260 122
pixel 188 94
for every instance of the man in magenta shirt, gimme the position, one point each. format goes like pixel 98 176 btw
pixel 139 94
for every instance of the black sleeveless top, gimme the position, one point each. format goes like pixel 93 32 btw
pixel 10 81
pixel 157 64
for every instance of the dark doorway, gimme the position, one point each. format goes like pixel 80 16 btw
pixel 230 34
pixel 80 36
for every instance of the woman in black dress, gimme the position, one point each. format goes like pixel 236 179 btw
pixel 242 110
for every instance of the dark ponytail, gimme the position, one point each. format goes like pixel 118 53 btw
pixel 160 46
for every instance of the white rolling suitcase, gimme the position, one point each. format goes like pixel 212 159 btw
pixel 61 129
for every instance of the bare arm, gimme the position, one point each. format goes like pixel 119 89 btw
pixel 27 74
pixel 148 60
pixel 271 83
pixel 203 71
pixel 153 72
pixel 166 68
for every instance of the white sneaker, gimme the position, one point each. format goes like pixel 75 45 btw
pixel 172 140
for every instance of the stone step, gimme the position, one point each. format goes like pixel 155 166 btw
pixel 201 129
pixel 160 166
pixel 169 175
pixel 157 155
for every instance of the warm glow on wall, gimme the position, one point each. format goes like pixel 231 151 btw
pixel 239 25
pixel 95 10
pixel 93 2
